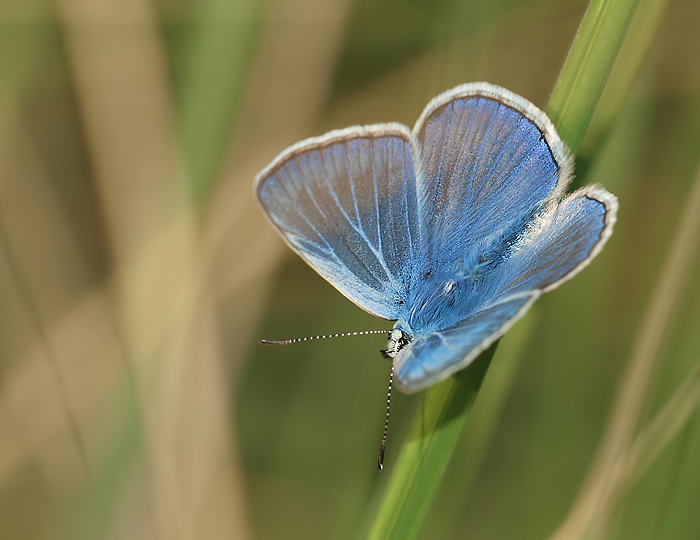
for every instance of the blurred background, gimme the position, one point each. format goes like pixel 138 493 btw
pixel 137 274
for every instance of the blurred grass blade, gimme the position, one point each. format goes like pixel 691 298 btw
pixel 424 458
pixel 633 54
pixel 426 453
pixel 22 48
pixel 24 290
pixel 668 423
pixel 587 67
pixel 218 55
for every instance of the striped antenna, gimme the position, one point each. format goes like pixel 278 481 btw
pixel 382 448
pixel 298 340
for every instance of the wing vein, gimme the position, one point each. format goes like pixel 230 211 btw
pixel 380 258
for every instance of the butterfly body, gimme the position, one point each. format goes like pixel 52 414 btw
pixel 452 229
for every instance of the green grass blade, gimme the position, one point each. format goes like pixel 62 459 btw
pixel 446 517
pixel 424 457
pixel 439 421
pixel 217 56
pixel 587 67
pixel 628 68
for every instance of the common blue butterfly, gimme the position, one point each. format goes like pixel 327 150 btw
pixel 453 229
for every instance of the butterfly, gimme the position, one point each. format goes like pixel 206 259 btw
pixel 453 229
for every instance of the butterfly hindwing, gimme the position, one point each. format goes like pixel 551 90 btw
pixel 346 203
pixel 561 243
pixel 426 361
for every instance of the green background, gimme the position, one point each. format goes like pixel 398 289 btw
pixel 135 281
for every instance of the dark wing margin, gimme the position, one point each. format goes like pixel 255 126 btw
pixel 346 202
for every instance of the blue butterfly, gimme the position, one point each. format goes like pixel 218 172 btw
pixel 453 229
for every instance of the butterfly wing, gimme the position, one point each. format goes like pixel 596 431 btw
pixel 427 361
pixel 346 202
pixel 487 159
pixel 555 248
pixel 560 243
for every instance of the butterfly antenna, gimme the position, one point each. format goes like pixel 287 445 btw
pixel 382 448
pixel 297 340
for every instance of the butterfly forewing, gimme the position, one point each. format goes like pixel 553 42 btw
pixel 346 202
pixel 485 164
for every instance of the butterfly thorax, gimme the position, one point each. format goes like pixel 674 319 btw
pixel 442 301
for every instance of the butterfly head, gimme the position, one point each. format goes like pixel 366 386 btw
pixel 398 339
